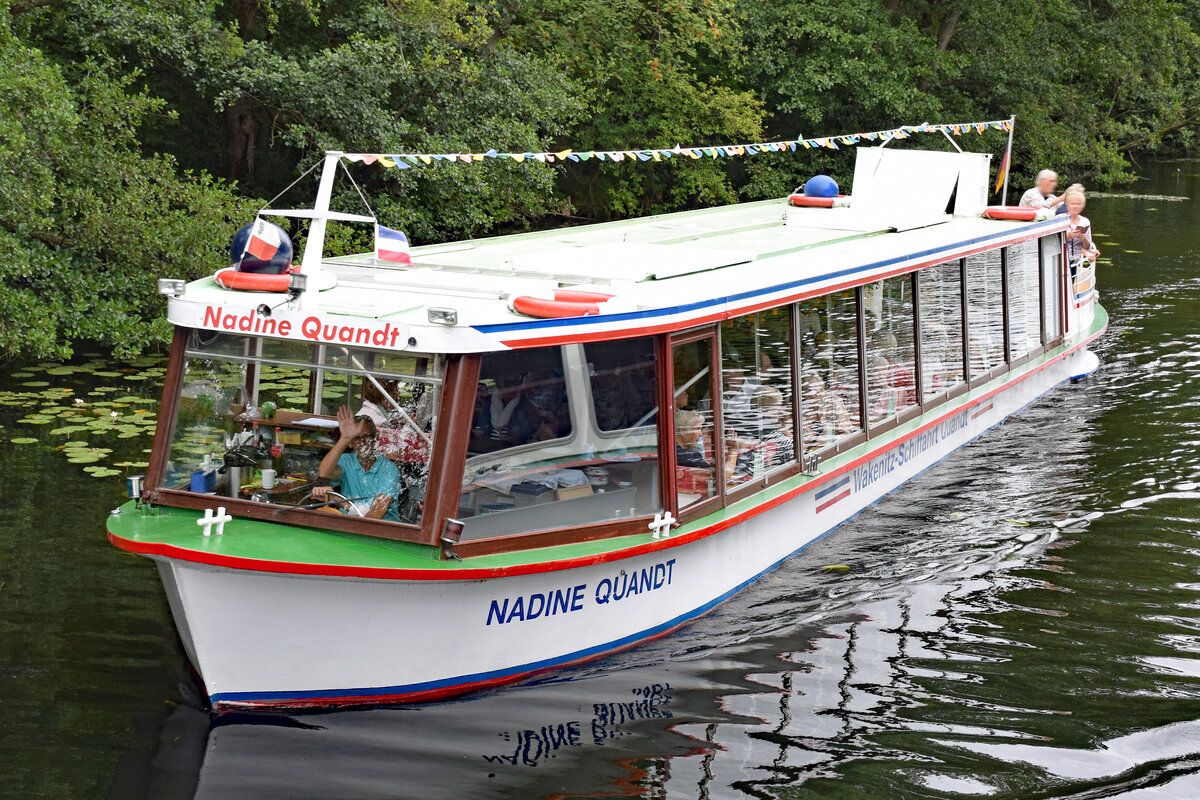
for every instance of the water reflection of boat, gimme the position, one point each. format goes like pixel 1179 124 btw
pixel 761 375
pixel 501 744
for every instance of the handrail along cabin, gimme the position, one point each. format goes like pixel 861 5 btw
pixel 601 431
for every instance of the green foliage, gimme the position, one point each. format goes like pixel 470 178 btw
pixel 115 118
pixel 651 74
pixel 87 222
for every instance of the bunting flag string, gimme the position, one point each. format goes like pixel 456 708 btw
pixel 409 160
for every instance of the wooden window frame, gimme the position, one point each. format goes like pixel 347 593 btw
pixel 783 471
pixel 717 501
pixel 895 420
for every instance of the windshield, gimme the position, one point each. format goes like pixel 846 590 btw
pixel 258 417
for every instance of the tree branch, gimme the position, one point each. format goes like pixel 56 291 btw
pixel 1192 117
pixel 949 28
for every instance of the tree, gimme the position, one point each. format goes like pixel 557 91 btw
pixel 651 74
pixel 87 222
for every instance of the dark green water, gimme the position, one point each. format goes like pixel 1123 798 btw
pixel 1021 622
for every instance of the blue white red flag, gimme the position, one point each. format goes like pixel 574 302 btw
pixel 264 240
pixel 391 245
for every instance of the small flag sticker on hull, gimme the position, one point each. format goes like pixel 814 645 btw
pixel 832 494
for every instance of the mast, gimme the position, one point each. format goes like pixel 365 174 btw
pixel 310 264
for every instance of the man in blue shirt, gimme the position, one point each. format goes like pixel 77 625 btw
pixel 367 477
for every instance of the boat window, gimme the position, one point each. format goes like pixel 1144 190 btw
pixel 623 377
pixel 256 417
pixel 1052 322
pixel 941 328
pixel 985 313
pixel 535 462
pixel 891 347
pixel 830 403
pixel 695 422
pixel 1024 324
pixel 756 397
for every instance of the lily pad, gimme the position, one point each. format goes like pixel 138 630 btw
pixel 36 383
pixel 36 420
pixel 67 430
pixel 23 440
pixel 105 473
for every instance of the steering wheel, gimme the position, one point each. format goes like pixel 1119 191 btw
pixel 339 497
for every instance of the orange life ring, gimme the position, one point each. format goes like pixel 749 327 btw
pixel 566 303
pixel 1020 213
pixel 255 281
pixel 580 296
pixel 804 201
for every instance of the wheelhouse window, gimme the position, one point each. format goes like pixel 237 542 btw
pixel 940 289
pixel 891 348
pixel 985 313
pixel 756 398
pixel 257 416
pixel 830 404
pixel 562 436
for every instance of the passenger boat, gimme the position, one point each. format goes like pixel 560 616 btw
pixel 600 432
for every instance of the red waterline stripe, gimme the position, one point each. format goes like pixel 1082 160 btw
pixel 480 573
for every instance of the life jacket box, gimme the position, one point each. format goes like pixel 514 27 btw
pixel 571 492
pixel 204 481
pixel 529 493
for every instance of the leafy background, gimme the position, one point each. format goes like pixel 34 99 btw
pixel 135 136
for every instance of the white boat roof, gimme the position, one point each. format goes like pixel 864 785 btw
pixel 665 272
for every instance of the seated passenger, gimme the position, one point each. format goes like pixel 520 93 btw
pixel 824 416
pixel 546 393
pixel 897 377
pixel 396 422
pixel 737 406
pixel 1041 195
pixel 481 419
pixel 379 405
pixel 689 440
pixel 776 446
pixel 369 480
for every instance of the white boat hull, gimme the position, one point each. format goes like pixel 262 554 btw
pixel 263 638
